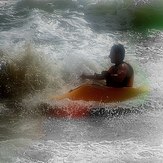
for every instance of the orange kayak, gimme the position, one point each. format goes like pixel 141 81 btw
pixel 92 93
pixel 103 94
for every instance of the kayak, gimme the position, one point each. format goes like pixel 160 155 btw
pixel 90 93
pixel 103 94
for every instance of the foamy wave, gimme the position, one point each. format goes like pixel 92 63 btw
pixel 21 75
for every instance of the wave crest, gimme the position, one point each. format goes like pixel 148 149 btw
pixel 21 75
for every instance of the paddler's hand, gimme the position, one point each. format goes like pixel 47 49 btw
pixel 83 76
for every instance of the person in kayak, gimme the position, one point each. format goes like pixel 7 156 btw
pixel 119 75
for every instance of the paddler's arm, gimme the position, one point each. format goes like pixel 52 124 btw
pixel 93 77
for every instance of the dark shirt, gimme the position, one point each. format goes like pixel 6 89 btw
pixel 121 75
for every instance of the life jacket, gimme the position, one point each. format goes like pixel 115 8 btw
pixel 128 80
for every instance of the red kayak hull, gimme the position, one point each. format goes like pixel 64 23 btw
pixel 91 93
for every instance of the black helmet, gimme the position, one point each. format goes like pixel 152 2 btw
pixel 118 49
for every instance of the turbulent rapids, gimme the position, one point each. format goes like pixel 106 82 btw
pixel 45 46
pixel 21 75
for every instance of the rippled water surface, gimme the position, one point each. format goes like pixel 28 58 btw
pixel 45 46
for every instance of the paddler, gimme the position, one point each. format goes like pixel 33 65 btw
pixel 119 75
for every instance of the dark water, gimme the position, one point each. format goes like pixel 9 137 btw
pixel 45 46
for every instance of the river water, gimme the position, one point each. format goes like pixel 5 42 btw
pixel 45 45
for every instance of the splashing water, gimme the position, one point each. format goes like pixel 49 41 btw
pixel 45 46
